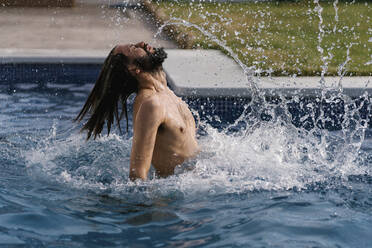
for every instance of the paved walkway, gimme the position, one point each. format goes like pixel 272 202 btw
pixel 86 26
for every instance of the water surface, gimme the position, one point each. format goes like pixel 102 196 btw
pixel 270 184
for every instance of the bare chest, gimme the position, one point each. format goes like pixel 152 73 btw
pixel 178 120
pixel 178 115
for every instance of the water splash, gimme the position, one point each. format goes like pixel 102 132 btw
pixel 336 15
pixel 321 34
pixel 248 71
pixel 271 154
pixel 341 71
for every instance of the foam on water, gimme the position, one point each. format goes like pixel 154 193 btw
pixel 272 155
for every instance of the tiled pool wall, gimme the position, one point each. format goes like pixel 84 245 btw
pixel 41 74
pixel 217 110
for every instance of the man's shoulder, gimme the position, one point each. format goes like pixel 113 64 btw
pixel 152 105
pixel 152 102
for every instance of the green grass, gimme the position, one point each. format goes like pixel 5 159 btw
pixel 282 37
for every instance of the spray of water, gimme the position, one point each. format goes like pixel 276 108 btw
pixel 262 155
pixel 270 154
pixel 336 15
pixel 249 71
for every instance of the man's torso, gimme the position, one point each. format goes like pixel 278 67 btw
pixel 175 138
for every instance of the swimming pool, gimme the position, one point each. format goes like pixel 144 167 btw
pixel 270 175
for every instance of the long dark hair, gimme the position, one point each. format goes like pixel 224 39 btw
pixel 114 84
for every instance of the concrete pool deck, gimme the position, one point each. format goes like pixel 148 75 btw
pixel 84 27
pixel 211 73
pixel 205 73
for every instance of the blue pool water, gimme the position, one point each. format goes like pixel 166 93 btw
pixel 267 183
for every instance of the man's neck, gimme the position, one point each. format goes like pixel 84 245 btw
pixel 155 81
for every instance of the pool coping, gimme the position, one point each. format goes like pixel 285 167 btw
pixel 203 73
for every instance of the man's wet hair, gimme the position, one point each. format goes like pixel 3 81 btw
pixel 115 84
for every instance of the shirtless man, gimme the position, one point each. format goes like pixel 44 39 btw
pixel 164 128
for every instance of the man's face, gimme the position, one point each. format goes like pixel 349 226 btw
pixel 143 55
pixel 134 51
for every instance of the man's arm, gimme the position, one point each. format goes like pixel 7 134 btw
pixel 149 117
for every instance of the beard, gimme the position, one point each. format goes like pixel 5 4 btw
pixel 153 61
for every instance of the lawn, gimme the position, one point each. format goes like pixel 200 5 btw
pixel 279 38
